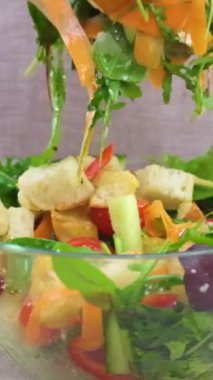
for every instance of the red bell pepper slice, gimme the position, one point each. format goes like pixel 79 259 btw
pixel 93 363
pixel 87 242
pixel 99 163
pixel 160 300
pixel 142 204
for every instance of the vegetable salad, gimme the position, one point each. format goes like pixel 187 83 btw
pixel 124 306
pixel 115 48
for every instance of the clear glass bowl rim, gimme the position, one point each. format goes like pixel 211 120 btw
pixel 16 249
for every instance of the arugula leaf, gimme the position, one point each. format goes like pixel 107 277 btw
pixel 159 13
pixel 47 33
pixel 176 348
pixel 191 74
pixel 57 94
pixel 200 166
pixel 77 273
pixel 170 344
pixel 83 9
pixel 115 60
pixel 10 170
pixel 167 88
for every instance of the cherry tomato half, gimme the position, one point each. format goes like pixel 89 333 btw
pixel 160 300
pixel 93 363
pixel 100 217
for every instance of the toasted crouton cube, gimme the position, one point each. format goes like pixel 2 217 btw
pixel 73 223
pixel 43 277
pixel 54 186
pixel 190 211
pixel 112 184
pixel 4 219
pixel 21 223
pixel 171 186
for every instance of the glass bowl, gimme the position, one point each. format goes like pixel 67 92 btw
pixel 76 316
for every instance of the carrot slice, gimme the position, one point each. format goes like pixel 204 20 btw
pixel 93 26
pixel 159 224
pixel 110 7
pixel 176 16
pixel 92 335
pixel 62 16
pixel 148 50
pixel 156 76
pixel 133 19
pixel 197 25
pixel 44 229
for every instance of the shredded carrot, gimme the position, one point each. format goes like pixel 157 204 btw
pixel 148 50
pixel 62 16
pixel 159 224
pixel 176 16
pixel 133 19
pixel 197 26
pixel 156 76
pixel 92 334
pixel 44 229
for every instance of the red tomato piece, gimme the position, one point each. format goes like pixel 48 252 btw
pixel 210 222
pixel 99 163
pixel 25 314
pixel 93 363
pixel 160 300
pixel 100 217
pixel 142 204
pixel 47 335
pixel 87 242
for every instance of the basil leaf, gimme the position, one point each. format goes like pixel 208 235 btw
pixel 79 274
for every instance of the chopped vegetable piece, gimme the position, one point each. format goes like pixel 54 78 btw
pixel 101 218
pixel 89 242
pixel 124 208
pixel 148 50
pixel 62 16
pixel 159 224
pixel 160 300
pixel 93 363
pixel 92 333
pixel 99 163
pixel 44 229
